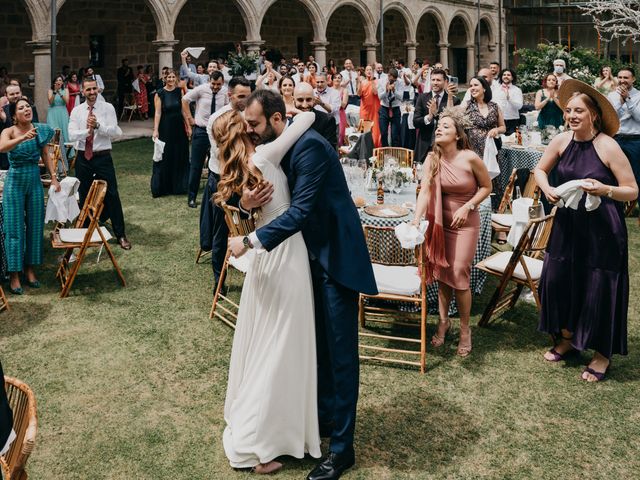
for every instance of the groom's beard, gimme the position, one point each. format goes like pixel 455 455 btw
pixel 267 136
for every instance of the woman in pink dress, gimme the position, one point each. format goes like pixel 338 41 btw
pixel 454 184
pixel 344 101
pixel 370 103
pixel 142 100
pixel 73 88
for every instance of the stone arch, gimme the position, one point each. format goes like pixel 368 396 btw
pixel 346 32
pixel 20 25
pixel 288 27
pixel 193 27
pixel 430 32
pixel 409 24
pixel 245 7
pixel 39 19
pixel 362 7
pixel 395 44
pixel 486 42
pixel 313 10
pixel 491 27
pixel 468 23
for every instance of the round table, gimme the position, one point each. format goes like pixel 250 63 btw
pixel 483 248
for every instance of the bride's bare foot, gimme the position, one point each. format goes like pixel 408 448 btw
pixel 267 468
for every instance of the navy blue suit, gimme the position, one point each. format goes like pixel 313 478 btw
pixel 322 209
pixel 6 417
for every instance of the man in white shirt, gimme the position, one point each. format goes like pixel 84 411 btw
pixel 404 82
pixel 495 72
pixel 488 76
pixel 389 113
pixel 300 72
pixel 213 228
pixel 509 98
pixel 626 101
pixel 92 125
pixel 559 70
pixel 198 78
pixel 328 99
pixel 350 82
pixel 208 98
pixel 187 66
pixel 379 72
pixel 89 74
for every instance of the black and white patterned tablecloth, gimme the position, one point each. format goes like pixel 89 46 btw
pixel 510 158
pixel 483 250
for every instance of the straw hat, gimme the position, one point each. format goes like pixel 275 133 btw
pixel 610 120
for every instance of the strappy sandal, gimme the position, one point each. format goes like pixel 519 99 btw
pixel 557 357
pixel 464 349
pixel 437 340
pixel 600 376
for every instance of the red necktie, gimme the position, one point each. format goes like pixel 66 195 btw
pixel 88 145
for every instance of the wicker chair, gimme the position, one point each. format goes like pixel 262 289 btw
pixel 502 221
pixel 4 303
pixel 404 156
pixel 364 126
pixel 5 470
pixel 55 153
pixel 25 423
pixel 85 238
pixel 401 280
pixel 238 226
pixel 522 267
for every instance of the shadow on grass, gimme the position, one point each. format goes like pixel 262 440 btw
pixel 140 236
pixel 21 317
pixel 439 433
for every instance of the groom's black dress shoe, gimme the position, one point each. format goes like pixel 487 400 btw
pixel 332 466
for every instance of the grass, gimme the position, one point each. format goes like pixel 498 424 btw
pixel 130 382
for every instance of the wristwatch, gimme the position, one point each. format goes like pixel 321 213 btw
pixel 97 126
pixel 246 242
pixel 471 206
pixel 610 192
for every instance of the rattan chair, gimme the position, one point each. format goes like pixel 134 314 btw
pixel 55 153
pixel 502 220
pixel 403 155
pixel 4 303
pixel 223 307
pixel 25 423
pixel 200 254
pixel 401 280
pixel 522 268
pixel 6 475
pixel 83 238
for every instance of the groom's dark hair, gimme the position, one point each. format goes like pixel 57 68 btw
pixel 271 102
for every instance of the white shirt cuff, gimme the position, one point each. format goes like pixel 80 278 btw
pixel 253 238
pixel 12 437
pixel 426 120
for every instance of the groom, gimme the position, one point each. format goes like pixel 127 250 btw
pixel 321 208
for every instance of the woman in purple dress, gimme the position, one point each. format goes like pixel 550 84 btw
pixel 584 288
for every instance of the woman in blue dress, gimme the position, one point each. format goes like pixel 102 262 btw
pixel 58 115
pixel 23 202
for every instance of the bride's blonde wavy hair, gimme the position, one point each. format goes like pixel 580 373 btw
pixel 230 134
pixel 461 122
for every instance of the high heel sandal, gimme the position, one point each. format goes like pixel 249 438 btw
pixel 437 340
pixel 557 357
pixel 464 349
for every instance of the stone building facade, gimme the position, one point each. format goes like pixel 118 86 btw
pixel 154 31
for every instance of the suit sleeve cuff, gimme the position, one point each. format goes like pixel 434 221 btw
pixel 253 238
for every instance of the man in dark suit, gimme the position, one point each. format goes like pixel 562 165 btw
pixel 428 107
pixel 6 416
pixel 322 209
pixel 325 125
pixel 13 94
pixel 125 84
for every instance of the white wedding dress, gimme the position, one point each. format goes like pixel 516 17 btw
pixel 271 404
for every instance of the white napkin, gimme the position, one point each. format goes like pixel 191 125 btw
pixel 63 206
pixel 409 235
pixel 136 85
pixel 410 121
pixel 158 149
pixel 520 209
pixel 490 157
pixel 194 51
pixel 571 193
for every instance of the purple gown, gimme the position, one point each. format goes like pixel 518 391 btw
pixel 585 278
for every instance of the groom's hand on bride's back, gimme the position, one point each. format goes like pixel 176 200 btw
pixel 256 197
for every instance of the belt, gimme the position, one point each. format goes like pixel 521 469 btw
pixel 354 95
pixel 98 153
pixel 622 136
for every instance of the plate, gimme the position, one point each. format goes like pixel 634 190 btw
pixel 386 211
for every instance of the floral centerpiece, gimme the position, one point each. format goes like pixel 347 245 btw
pixel 392 175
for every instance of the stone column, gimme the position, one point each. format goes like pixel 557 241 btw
pixel 320 52
pixel 444 54
pixel 493 48
pixel 253 46
pixel 370 47
pixel 165 53
pixel 42 75
pixel 411 52
pixel 471 61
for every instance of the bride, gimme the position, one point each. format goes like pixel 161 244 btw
pixel 271 404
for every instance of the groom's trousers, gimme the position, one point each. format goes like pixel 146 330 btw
pixel 336 310
pixel 214 233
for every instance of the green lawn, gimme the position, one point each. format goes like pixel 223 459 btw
pixel 130 382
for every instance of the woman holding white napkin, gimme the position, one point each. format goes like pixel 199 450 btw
pixel 584 287
pixel 454 184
